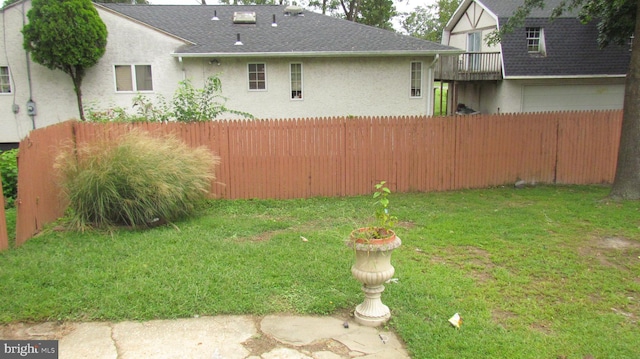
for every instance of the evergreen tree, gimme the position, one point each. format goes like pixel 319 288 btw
pixel 66 35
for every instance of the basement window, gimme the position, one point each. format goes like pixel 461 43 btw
pixel 535 41
pixel 5 80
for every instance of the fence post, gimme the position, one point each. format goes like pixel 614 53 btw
pixel 4 238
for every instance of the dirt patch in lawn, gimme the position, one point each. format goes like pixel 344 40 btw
pixel 472 259
pixel 618 252
pixel 502 317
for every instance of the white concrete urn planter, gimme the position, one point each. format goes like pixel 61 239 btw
pixel 373 268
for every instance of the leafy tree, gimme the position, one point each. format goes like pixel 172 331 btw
pixel 616 22
pixel 370 12
pixel 377 13
pixel 429 22
pixel 134 2
pixel 67 35
pixel 9 2
pixel 9 175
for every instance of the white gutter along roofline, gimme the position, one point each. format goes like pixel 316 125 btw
pixel 317 54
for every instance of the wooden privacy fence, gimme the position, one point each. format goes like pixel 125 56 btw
pixel 347 156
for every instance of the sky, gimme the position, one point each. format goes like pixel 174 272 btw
pixel 401 6
pixel 409 4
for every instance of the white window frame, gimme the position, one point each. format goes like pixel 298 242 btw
pixel 291 87
pixel 535 44
pixel 134 83
pixel 257 81
pixel 5 81
pixel 420 88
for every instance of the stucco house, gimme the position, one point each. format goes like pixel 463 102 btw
pixel 542 66
pixel 274 62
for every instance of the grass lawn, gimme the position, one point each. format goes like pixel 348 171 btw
pixel 438 111
pixel 546 272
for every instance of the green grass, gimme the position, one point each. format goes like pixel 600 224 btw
pixel 533 272
pixel 438 111
pixel 10 214
pixel 440 108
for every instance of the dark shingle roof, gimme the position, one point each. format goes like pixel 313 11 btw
pixel 309 34
pixel 571 46
pixel 571 50
pixel 506 8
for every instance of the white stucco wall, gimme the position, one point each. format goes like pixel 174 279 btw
pixel 52 90
pixel 508 96
pixel 567 94
pixel 331 86
pixel 14 126
pixel 131 43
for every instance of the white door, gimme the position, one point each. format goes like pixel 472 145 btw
pixel 474 44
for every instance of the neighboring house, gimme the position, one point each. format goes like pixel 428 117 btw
pixel 543 66
pixel 274 62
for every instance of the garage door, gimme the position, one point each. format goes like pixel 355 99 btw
pixel 572 97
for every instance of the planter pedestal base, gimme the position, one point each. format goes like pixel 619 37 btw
pixel 372 312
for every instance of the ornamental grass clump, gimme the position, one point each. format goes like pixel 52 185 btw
pixel 136 180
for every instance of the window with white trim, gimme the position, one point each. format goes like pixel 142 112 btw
pixel 295 72
pixel 535 40
pixel 257 77
pixel 133 78
pixel 5 80
pixel 416 79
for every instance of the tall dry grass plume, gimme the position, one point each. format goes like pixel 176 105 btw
pixel 134 180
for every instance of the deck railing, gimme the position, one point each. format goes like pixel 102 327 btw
pixel 470 66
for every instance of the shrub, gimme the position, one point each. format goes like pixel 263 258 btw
pixel 189 104
pixel 135 180
pixel 9 171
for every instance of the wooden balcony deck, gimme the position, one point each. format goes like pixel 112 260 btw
pixel 470 66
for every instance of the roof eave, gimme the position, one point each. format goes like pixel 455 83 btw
pixel 318 54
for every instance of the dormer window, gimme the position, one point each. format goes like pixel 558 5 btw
pixel 535 41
